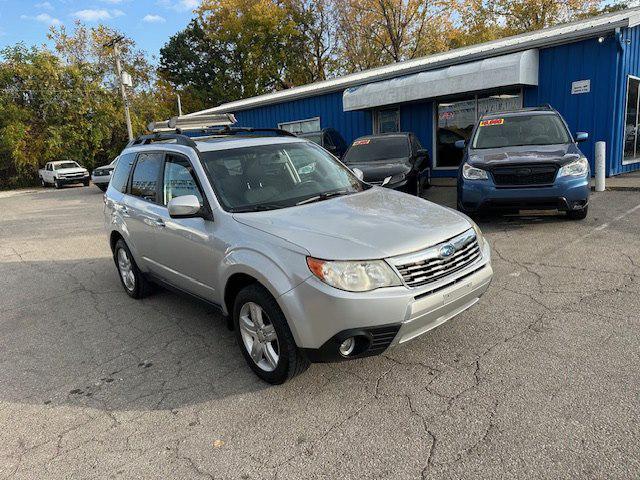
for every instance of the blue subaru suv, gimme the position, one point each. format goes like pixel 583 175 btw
pixel 525 159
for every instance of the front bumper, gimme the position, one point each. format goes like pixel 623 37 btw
pixel 567 193
pixel 101 179
pixel 321 317
pixel 72 180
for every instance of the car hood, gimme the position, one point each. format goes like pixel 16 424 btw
pixel 496 157
pixel 379 170
pixel 71 170
pixel 376 223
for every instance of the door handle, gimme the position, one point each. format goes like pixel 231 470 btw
pixel 159 222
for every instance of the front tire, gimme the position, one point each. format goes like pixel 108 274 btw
pixel 57 184
pixel 86 183
pixel 131 277
pixel 264 337
pixel 43 183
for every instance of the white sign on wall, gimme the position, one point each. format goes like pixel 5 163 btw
pixel 581 86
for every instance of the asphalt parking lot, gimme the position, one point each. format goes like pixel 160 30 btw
pixel 541 379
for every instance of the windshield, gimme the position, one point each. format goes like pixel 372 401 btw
pixel 377 148
pixel 266 177
pixel 59 166
pixel 518 130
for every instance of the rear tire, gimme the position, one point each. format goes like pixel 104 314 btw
pixel 132 279
pixel 264 337
pixel 578 214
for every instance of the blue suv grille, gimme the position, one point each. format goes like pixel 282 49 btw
pixel 524 175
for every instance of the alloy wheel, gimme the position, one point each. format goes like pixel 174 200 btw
pixel 126 270
pixel 259 336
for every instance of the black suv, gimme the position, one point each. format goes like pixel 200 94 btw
pixel 393 160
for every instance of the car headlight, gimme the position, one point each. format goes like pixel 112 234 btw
pixel 578 168
pixel 479 235
pixel 354 276
pixel 473 173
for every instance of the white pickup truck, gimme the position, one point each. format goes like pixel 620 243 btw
pixel 63 172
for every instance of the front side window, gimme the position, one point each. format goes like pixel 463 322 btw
pixel 267 177
pixel 120 175
pixel 179 179
pixel 377 149
pixel 144 183
pixel 519 130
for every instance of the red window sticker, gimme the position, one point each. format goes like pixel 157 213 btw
pixel 494 121
pixel 365 141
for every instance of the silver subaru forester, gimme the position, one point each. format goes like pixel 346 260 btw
pixel 307 262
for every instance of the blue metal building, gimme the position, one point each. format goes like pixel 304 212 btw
pixel 588 70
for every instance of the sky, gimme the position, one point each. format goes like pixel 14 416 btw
pixel 149 22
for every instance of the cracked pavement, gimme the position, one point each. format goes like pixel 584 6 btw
pixel 540 379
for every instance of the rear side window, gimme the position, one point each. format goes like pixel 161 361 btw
pixel 179 179
pixel 121 172
pixel 146 173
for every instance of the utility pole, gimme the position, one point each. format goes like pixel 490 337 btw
pixel 179 106
pixel 116 51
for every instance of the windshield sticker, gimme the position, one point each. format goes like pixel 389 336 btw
pixel 365 141
pixel 495 121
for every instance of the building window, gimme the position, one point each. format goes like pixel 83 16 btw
pixel 301 126
pixel 457 118
pixel 631 121
pixel 386 121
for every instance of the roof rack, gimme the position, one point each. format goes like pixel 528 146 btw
pixel 227 130
pixel 163 137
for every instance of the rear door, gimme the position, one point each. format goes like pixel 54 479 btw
pixel 184 251
pixel 142 206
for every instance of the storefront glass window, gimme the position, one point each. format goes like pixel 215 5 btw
pixel 457 118
pixel 631 147
pixel 387 121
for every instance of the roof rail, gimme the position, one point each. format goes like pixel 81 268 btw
pixel 227 130
pixel 161 137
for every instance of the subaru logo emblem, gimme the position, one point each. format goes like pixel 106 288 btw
pixel 447 250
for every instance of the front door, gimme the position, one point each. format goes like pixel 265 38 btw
pixel 185 251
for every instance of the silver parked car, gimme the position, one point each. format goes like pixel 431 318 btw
pixel 308 263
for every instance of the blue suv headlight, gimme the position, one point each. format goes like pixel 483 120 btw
pixel 473 173
pixel 578 168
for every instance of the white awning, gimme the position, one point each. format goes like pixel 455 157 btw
pixel 514 69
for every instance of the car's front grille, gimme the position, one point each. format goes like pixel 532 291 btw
pixel 101 173
pixel 72 175
pixel 440 261
pixel 524 175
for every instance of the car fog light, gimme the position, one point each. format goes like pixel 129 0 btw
pixel 346 347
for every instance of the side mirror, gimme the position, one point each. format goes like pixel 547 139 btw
pixel 358 173
pixel 460 144
pixel 184 206
pixel 422 153
pixel 582 137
